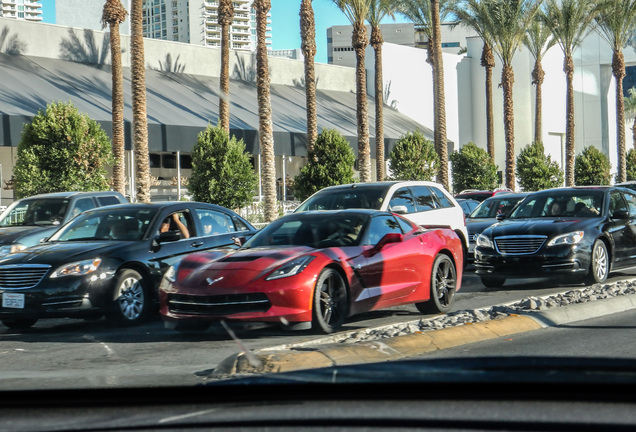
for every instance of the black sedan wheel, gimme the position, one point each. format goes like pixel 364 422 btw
pixel 330 301
pixel 131 300
pixel 599 269
pixel 493 281
pixel 19 323
pixel 443 286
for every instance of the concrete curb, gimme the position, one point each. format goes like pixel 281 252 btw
pixel 402 347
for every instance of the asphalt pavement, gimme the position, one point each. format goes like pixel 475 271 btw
pixel 325 352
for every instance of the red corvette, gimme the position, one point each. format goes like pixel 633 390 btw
pixel 315 269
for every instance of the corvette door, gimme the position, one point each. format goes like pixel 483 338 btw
pixel 389 273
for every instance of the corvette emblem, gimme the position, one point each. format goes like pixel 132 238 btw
pixel 210 281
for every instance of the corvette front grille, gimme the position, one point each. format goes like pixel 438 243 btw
pixel 218 304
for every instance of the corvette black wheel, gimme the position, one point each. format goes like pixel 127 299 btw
pixel 443 286
pixel 330 301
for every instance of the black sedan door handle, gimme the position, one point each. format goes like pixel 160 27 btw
pixel 196 244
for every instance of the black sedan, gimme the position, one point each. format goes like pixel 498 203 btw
pixel 583 232
pixel 110 261
pixel 486 214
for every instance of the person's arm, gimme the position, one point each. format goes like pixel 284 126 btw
pixel 182 227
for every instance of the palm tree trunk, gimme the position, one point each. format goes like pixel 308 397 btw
pixel 114 14
pixel 265 129
pixel 440 108
pixel 537 79
pixel 226 15
pixel 618 69
pixel 140 122
pixel 568 68
pixel 377 41
pixel 507 82
pixel 359 39
pixel 308 45
pixel 488 62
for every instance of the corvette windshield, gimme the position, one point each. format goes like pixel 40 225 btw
pixel 315 231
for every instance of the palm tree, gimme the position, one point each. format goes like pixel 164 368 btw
pixel 538 40
pixel 378 10
pixel 510 21
pixel 569 21
pixel 630 108
pixel 140 122
pixel 225 13
pixel 308 45
pixel 616 22
pixel 114 14
pixel 357 11
pixel 427 16
pixel 265 129
pixel 475 14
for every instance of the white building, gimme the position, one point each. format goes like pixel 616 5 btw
pixel 408 88
pixel 29 10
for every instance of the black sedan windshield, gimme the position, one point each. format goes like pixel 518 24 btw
pixel 121 224
pixel 561 204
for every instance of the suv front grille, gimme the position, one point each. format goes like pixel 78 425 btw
pixel 21 276
pixel 519 245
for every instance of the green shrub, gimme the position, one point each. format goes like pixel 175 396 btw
pixel 472 169
pixel 536 170
pixel 221 170
pixel 329 164
pixel 413 158
pixel 62 150
pixel 631 164
pixel 591 167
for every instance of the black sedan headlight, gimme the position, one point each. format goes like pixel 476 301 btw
pixel 484 241
pixel 571 238
pixel 79 268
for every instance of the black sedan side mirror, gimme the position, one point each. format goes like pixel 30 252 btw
pixel 500 217
pixel 620 214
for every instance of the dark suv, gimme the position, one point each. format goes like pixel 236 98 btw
pixel 29 220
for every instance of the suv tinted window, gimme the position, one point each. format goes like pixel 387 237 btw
pixel 423 198
pixel 402 197
pixel 442 199
pixel 108 200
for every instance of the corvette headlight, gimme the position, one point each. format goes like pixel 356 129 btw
pixel 483 241
pixel 567 239
pixel 8 249
pixel 79 268
pixel 291 268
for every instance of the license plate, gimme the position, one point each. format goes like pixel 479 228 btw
pixel 11 300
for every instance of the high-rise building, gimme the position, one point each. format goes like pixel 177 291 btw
pixel 196 22
pixel 29 10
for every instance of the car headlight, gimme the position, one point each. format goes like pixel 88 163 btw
pixel 483 241
pixel 170 275
pixel 291 268
pixel 79 268
pixel 567 239
pixel 9 249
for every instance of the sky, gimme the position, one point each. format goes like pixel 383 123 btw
pixel 285 23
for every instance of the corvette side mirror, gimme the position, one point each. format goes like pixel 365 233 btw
pixel 387 239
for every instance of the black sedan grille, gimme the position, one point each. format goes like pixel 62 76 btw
pixel 218 304
pixel 21 277
pixel 519 245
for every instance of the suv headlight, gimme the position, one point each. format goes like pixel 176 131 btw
pixel 567 239
pixel 484 241
pixel 79 268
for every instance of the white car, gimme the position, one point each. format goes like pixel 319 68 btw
pixel 423 202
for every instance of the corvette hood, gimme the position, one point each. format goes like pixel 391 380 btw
pixel 539 226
